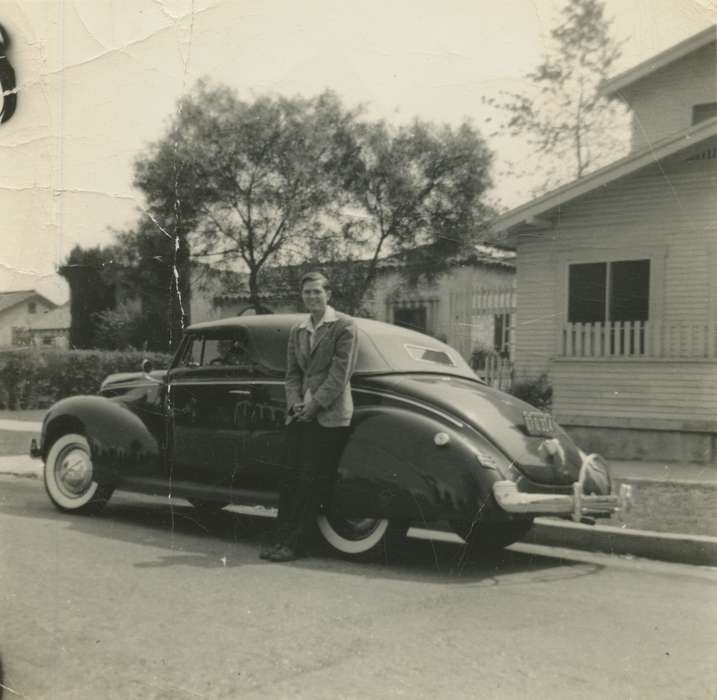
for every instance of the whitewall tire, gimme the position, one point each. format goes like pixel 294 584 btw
pixel 353 536
pixel 69 476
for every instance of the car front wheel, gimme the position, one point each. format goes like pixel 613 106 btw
pixel 356 536
pixel 70 478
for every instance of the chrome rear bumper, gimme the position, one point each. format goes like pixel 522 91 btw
pixel 578 505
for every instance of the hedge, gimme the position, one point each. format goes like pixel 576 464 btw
pixel 36 378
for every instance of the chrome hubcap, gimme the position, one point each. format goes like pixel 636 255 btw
pixel 74 472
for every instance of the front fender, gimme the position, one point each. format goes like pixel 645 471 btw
pixel 392 468
pixel 120 443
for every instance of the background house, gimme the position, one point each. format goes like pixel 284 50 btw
pixel 470 306
pixel 617 273
pixel 18 310
pixel 52 328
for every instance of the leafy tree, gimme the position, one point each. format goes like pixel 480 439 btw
pixel 292 183
pixel 170 174
pixel 562 113
pixel 91 276
pixel 415 191
pixel 248 180
pixel 122 294
pixel 147 261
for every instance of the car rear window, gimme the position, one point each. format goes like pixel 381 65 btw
pixel 423 354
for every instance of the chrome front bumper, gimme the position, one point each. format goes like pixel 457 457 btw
pixel 578 506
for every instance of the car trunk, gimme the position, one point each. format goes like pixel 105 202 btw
pixel 497 415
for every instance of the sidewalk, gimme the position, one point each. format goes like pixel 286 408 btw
pixel 664 472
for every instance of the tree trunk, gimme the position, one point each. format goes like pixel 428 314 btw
pixel 254 301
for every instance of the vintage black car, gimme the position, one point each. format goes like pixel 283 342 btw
pixel 428 442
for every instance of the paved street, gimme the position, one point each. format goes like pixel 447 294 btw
pixel 146 601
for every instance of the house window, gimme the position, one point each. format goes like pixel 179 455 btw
pixel 21 336
pixel 47 340
pixel 702 112
pixel 31 307
pixel 413 317
pixel 609 291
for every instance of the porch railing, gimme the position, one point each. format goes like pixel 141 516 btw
pixel 619 339
pixel 496 371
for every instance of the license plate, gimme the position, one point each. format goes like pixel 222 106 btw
pixel 539 424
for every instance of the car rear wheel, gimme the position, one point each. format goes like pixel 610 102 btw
pixel 362 537
pixel 489 538
pixel 69 477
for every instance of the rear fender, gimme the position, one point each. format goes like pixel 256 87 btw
pixel 392 468
pixel 120 443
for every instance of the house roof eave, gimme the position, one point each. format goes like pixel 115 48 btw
pixel 29 294
pixel 532 215
pixel 613 86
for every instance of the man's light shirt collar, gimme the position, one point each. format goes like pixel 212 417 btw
pixel 328 317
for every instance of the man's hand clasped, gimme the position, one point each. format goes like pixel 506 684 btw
pixel 305 412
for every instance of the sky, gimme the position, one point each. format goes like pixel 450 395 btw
pixel 99 80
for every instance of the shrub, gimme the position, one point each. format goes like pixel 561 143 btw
pixel 537 392
pixel 114 328
pixel 36 378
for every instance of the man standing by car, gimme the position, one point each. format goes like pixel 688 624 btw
pixel 321 356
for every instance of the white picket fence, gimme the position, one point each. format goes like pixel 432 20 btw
pixel 497 371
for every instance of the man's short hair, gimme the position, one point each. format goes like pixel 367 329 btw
pixel 315 276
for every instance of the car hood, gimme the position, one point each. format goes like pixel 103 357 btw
pixel 497 415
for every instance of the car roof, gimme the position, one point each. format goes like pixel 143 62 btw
pixel 381 345
pixel 287 321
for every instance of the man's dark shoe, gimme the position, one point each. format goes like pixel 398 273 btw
pixel 282 553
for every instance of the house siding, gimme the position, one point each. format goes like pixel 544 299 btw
pixel 678 395
pixel 19 316
pixel 662 102
pixel 449 303
pixel 666 214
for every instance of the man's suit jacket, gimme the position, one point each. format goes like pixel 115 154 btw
pixel 325 370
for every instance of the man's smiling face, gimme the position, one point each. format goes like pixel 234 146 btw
pixel 315 297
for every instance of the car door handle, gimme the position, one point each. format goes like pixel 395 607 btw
pixel 246 393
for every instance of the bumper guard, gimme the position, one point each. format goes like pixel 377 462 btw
pixel 578 506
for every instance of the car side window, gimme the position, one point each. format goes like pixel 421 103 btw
pixel 192 355
pixel 212 353
pixel 219 351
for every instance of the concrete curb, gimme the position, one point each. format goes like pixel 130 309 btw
pixel 683 549
pixel 685 483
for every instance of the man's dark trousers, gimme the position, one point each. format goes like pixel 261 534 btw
pixel 313 454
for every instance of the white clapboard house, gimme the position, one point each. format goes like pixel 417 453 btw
pixel 617 273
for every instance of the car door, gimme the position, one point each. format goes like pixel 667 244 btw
pixel 211 406
pixel 265 448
